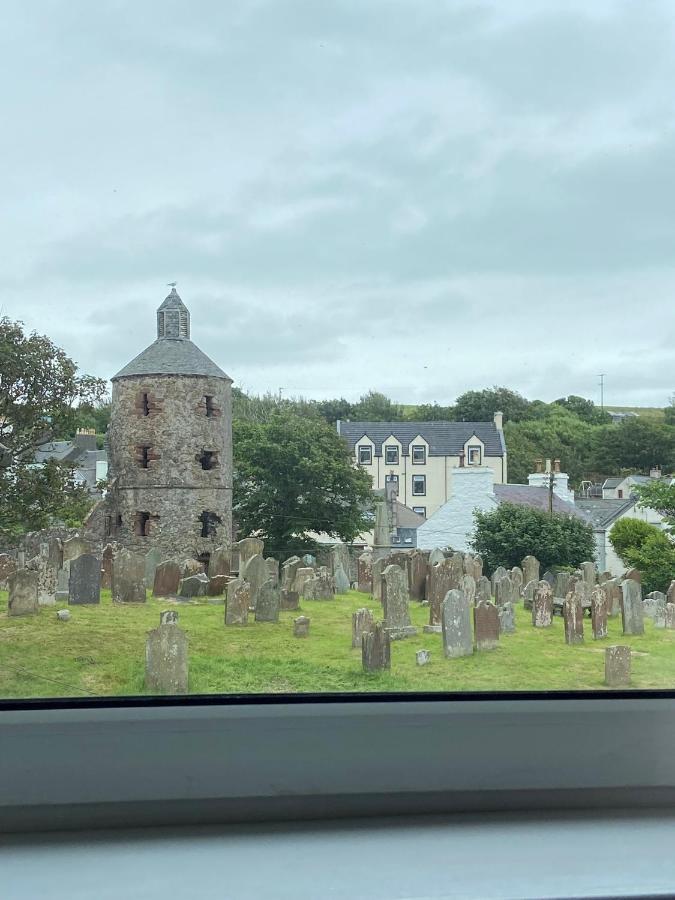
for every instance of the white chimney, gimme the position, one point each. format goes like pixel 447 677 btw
pixel 499 421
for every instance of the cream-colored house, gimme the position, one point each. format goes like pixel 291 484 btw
pixel 420 458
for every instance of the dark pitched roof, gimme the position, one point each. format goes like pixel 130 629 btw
pixel 611 483
pixel 444 438
pixel 537 498
pixel 603 512
pixel 172 357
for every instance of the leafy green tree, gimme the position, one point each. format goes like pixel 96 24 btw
pixel 507 534
pixel 332 410
pixel 376 407
pixel 630 534
pixel 585 409
pixel 669 411
pixel 635 445
pixel 557 435
pixel 431 412
pixel 658 495
pixel 294 475
pixel 646 548
pixel 480 406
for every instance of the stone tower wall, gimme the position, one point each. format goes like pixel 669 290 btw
pixel 161 421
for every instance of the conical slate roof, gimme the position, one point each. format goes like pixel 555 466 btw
pixel 173 353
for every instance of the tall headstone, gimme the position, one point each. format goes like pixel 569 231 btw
pixel 168 576
pixel 23 593
pixel 128 577
pixel 516 576
pixel 617 667
pixel 417 574
pixel 237 602
pixel 612 588
pixel 485 626
pixel 507 618
pixel 376 649
pixel 631 607
pixel 573 618
pixel 441 579
pixel 106 568
pixel 247 548
pixel 497 576
pixel 362 622
pixel 379 565
pixel 342 584
pixel 220 562
pixel 152 559
pixel 288 572
pixel 339 555
pixel 456 569
pixel 669 616
pixel 530 567
pixel 529 592
pixel 269 601
pixel 598 613
pixel 166 658
pixel 395 599
pixel 562 584
pixel 483 590
pixel 273 569
pixel 478 567
pixel 542 605
pixel 364 574
pixel 456 625
pixel 589 574
pixel 84 583
pixel 467 586
pixel 504 591
pixel 670 593
pixel 254 571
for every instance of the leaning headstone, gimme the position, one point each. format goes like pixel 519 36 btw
pixel 301 627
pixel 166 659
pixel 395 603
pixel 237 602
pixel 128 577
pixel 342 584
pixel 376 649
pixel 249 547
pixel 220 562
pixel 617 666
pixel 362 621
pixel 456 625
pixel 485 626
pixel 669 616
pixel 273 569
pixel 598 613
pixel 152 559
pixel 467 586
pixel 631 607
pixel 507 618
pixel 422 657
pixel 269 602
pixel 255 572
pixel 289 599
pixel 194 586
pixel 436 556
pixel 529 592
pixel 23 593
pixel 573 618
pixel 483 590
pixel 542 605
pixel 167 578
pixel 288 572
pixel 84 584
pixel 364 573
pixel 530 567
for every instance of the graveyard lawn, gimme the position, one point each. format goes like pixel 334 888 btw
pixel 101 651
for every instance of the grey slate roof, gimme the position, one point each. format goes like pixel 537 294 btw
pixel 537 498
pixel 172 357
pixel 61 451
pixel 611 483
pixel 406 518
pixel 444 438
pixel 603 512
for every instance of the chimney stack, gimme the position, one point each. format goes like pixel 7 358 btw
pixel 499 421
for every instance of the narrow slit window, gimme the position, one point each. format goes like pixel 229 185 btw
pixel 160 325
pixel 208 460
pixel 146 405
pixel 183 324
pixel 144 457
pixel 209 406
pixel 142 524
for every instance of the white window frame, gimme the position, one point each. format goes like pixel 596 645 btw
pixel 416 509
pixel 418 462
pixel 389 448
pixel 360 450
pixel 422 493
pixel 472 448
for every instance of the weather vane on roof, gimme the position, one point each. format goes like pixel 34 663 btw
pixel 172 284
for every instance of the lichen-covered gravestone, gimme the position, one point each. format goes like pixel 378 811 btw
pixel 456 625
pixel 248 548
pixel 23 593
pixel 530 566
pixel 573 618
pixel 289 599
pixel 362 621
pixel 273 569
pixel 168 576
pixel 395 603
pixel 288 572
pixel 342 584
pixel 617 666
pixel 441 579
pixel 504 589
pixel 376 649
pixel 321 586
pixel 301 626
pixel 238 602
pixel 302 576
pixel 631 607
pixel 542 605
pixel 84 583
pixel 269 601
pixel 598 613
pixel 483 590
pixel 653 603
pixel 485 626
pixel 152 559
pixel 468 587
pixel 497 575
pixel 220 562
pixel 477 567
pixel 364 573
pixel 255 572
pixel 194 586
pixel 128 577
pixel 507 618
pixel 166 658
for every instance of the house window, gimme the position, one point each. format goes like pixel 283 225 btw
pixel 365 455
pixel 208 459
pixel 395 539
pixel 474 456
pixel 420 510
pixel 619 494
pixel 391 456
pixel 209 522
pixel 419 454
pixel 419 485
pixel 210 409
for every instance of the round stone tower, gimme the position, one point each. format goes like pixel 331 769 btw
pixel 170 445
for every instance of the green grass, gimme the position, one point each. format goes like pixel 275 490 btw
pixel 653 413
pixel 100 651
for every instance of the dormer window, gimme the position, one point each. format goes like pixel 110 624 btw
pixel 474 456
pixel 419 454
pixel 391 455
pixel 365 455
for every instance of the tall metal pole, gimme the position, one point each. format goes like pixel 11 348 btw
pixel 601 376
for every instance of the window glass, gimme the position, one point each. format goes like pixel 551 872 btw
pixel 419 454
pixel 419 485
pixel 391 455
pixel 365 455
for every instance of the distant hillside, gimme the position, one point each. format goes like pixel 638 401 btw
pixel 645 412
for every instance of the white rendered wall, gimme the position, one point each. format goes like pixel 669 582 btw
pixel 452 525
pixel 560 484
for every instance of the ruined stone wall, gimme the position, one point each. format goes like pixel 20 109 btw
pixel 158 434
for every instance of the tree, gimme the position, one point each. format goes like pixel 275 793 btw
pixel 507 534
pixel 658 495
pixel 647 548
pixel 480 406
pixel 557 435
pixel 332 410
pixel 636 444
pixel 294 475
pixel 585 409
pixel 669 411
pixel 432 412
pixel 376 407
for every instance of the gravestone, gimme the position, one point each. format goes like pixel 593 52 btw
pixel 467 559
pixel 504 591
pixel 23 593
pixel 659 618
pixel 485 626
pixel 63 615
pixel 483 590
pixel 670 593
pixel 395 599
pixel 128 577
pixel 288 572
pixel 652 603
pixel 376 649
pixel 497 575
pixel 436 556
pixel 320 586
pixel 589 574
pixel 573 618
pixel 598 613
pixel 550 577
pixel 302 576
pixel 507 618
pixel 152 559
pixel 166 659
pixel 220 562
pixel 301 627
pixel 194 586
pixel 167 578
pixel 190 567
pixel 669 616
pixel 309 561
pixel 528 593
pixel 289 599
pixel 62 583
pixel 364 573
pixel 617 667
pixel 168 617
pixel 422 657
pixel 8 567
pixel 467 586
pixel 440 580
pixel 542 605
pixel 631 607
pixel 516 576
pixel 342 584
pixel 530 567
pixel 378 568
pixel 248 548
pixel 477 567
pixel 237 602
pixel 269 601
pixel 339 556
pixel 634 575
pixel 417 575
pixel 561 585
pixel 456 625
pixel 456 564
pixel 218 585
pixel 273 569
pixel 614 596
pixel 362 621
pixel 76 546
pixel 84 583
pixel 255 572
pixel 106 568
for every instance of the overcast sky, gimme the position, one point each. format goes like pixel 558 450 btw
pixel 418 197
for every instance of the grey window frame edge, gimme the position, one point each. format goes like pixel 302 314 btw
pixel 74 768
